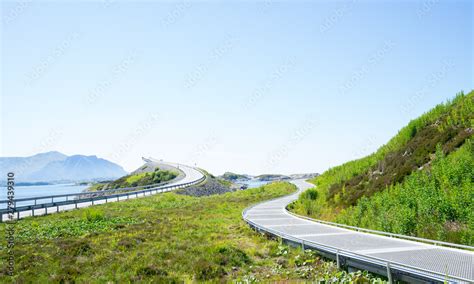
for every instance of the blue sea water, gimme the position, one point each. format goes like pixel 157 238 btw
pixel 251 183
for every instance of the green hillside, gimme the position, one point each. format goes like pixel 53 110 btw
pixel 139 179
pixel 421 183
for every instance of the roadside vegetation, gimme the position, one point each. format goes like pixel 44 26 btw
pixel 163 238
pixel 421 183
pixel 139 179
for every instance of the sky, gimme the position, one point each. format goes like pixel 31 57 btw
pixel 243 86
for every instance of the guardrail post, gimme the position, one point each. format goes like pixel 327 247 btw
pixel 57 208
pixel 35 201
pixel 33 212
pixel 302 244
pixel 92 201
pixel 46 211
pixel 337 260
pixel 389 273
pixel 75 204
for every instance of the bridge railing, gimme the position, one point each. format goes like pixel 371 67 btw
pixel 376 232
pixel 338 253
pixel 80 195
pixel 44 202
pixel 392 235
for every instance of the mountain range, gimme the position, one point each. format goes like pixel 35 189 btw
pixel 56 167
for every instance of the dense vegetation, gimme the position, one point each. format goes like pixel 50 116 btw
pixel 139 179
pixel 161 238
pixel 420 183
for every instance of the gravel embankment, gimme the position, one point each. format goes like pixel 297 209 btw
pixel 212 186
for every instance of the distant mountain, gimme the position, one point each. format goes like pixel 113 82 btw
pixel 55 167
pixel 24 166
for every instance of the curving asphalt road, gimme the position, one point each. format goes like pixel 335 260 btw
pixel 405 259
pixel 191 174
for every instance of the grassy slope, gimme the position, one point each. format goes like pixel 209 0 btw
pixel 140 179
pixel 167 237
pixel 405 187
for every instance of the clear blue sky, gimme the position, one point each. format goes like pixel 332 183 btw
pixel 247 87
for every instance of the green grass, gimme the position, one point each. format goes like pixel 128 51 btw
pixel 162 238
pixel 157 176
pixel 436 204
pixel 141 179
pixel 135 178
pixel 98 186
pixel 420 183
pixel 224 182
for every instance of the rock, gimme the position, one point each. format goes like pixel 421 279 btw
pixel 211 187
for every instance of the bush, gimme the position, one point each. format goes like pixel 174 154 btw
pixel 157 176
pixel 311 194
pixel 434 204
pixel 228 255
pixel 93 215
pixel 207 270
pixel 151 271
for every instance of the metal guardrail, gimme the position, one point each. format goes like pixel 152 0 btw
pixel 148 189
pixel 339 253
pixel 392 235
pixel 80 194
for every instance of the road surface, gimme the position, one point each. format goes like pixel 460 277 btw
pixel 408 260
